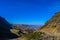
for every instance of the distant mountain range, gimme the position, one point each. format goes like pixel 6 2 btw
pixel 25 25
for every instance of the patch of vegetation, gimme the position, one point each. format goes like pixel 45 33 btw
pixel 35 36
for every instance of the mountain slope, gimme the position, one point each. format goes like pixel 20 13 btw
pixel 5 29
pixel 52 26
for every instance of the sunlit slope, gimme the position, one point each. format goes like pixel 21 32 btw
pixel 52 26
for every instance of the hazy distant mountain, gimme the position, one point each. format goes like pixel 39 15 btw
pixel 24 27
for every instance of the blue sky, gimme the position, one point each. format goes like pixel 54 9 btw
pixel 28 11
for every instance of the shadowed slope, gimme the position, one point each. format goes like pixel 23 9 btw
pixel 5 29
